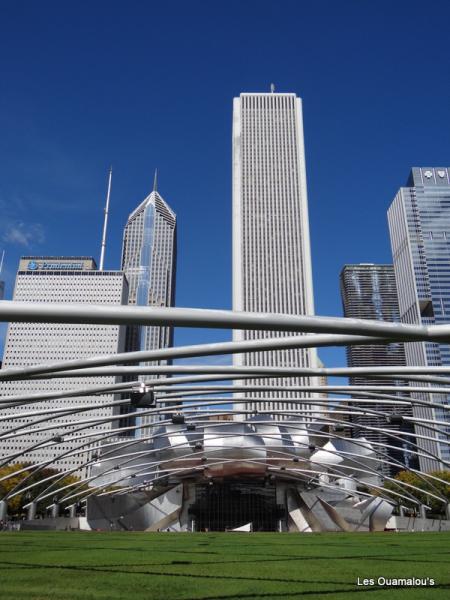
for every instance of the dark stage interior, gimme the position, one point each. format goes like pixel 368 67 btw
pixel 230 504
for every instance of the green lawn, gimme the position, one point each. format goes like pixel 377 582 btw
pixel 216 566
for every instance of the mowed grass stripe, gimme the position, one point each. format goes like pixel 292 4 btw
pixel 167 566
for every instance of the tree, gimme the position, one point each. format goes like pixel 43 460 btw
pixel 16 504
pixel 427 485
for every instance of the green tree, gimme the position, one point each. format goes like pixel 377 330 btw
pixel 16 504
pixel 426 486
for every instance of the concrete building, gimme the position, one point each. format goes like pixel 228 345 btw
pixel 419 225
pixel 271 246
pixel 60 279
pixel 369 292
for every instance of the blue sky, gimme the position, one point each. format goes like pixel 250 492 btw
pixel 143 84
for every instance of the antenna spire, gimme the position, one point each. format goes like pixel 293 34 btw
pixel 105 222
pixel 155 181
pixel 1 262
pixel 272 88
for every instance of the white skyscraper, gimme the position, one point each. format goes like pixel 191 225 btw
pixel 271 246
pixel 60 279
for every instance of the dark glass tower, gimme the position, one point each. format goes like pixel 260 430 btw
pixel 369 292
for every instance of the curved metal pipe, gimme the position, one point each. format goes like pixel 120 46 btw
pixel 14 311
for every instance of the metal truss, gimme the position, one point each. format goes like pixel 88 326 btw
pixel 311 437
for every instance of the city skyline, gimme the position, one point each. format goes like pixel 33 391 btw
pixel 224 299
pixel 68 115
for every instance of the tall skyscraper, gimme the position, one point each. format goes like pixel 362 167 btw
pixel 60 279
pixel 271 247
pixel 419 225
pixel 369 292
pixel 149 263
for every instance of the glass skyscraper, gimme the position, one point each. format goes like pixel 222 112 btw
pixel 369 292
pixel 419 225
pixel 149 261
pixel 271 247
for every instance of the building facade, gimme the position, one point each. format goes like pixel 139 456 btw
pixel 369 291
pixel 149 263
pixel 419 226
pixel 72 280
pixel 271 246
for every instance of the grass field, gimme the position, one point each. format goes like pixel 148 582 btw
pixel 218 566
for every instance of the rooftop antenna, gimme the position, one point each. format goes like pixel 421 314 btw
pixel 272 88
pixel 105 222
pixel 1 262
pixel 155 181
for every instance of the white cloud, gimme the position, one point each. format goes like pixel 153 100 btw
pixel 24 234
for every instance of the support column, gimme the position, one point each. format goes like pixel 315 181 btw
pixel 3 510
pixel 32 511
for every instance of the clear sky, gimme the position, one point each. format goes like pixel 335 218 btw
pixel 144 84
